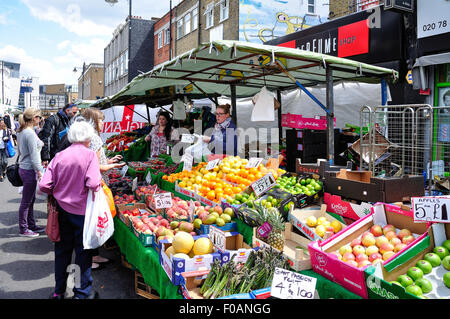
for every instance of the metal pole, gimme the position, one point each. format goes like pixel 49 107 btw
pixel 280 128
pixel 170 31
pixel 330 115
pixel 3 83
pixel 233 103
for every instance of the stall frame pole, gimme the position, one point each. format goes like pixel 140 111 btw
pixel 233 103
pixel 330 114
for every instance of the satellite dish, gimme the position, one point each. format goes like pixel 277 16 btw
pixel 112 2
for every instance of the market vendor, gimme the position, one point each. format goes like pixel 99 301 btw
pixel 223 131
pixel 162 133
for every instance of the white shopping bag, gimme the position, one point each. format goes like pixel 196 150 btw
pixel 40 194
pixel 264 106
pixel 98 222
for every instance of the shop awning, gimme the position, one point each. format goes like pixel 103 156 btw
pixel 420 74
pixel 218 67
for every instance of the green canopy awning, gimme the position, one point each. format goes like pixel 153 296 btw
pixel 213 67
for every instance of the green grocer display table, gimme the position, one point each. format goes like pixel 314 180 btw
pixel 146 260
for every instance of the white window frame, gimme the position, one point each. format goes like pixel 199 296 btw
pixel 180 27
pixel 167 36
pixel 209 16
pixel 187 23
pixel 313 5
pixel 194 19
pixel 224 9
pixel 126 62
pixel 160 39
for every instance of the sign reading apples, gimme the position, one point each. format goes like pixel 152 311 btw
pixel 431 209
pixel 291 285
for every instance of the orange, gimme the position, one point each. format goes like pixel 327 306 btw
pixel 211 195
pixel 228 190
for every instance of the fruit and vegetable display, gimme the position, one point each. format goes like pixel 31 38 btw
pixel 216 216
pixel 179 209
pixel 374 246
pixel 119 143
pixel 141 167
pixel 185 246
pixel 321 225
pixel 124 199
pixel 234 278
pixel 143 191
pixel 430 277
pixel 261 214
pixel 306 185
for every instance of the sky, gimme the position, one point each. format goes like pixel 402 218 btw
pixel 51 37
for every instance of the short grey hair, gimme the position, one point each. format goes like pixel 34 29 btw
pixel 80 132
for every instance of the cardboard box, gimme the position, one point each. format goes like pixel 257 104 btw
pixel 175 266
pixel 235 246
pixel 145 239
pixel 184 191
pixel 204 229
pixel 319 168
pixel 120 208
pixel 191 282
pixel 337 205
pixel 346 275
pixel 295 248
pixel 298 218
pixel 360 185
pixel 378 277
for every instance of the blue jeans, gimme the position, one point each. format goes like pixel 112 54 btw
pixel 71 232
pixel 26 212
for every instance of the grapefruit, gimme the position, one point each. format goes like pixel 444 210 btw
pixel 182 242
pixel 203 246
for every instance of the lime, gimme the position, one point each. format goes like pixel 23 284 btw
pixel 303 182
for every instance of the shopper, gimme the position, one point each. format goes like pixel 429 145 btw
pixel 55 127
pixel 95 118
pixel 30 170
pixel 224 130
pixel 161 134
pixel 5 136
pixel 69 177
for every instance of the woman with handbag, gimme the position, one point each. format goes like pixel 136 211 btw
pixel 69 177
pixel 5 136
pixel 95 117
pixel 30 170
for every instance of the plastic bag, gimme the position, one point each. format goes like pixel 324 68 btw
pixel 264 107
pixel 98 222
pixel 40 194
pixel 198 150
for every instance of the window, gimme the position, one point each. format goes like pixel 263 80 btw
pixel 179 28
pixel 187 23
pixel 311 6
pixel 209 13
pixel 224 10
pixel 194 19
pixel 122 64
pixel 160 40
pixel 126 62
pixel 166 36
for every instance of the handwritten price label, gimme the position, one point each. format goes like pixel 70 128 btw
pixel 124 170
pixel 431 209
pixel 134 185
pixel 212 164
pixel 217 237
pixel 263 184
pixel 290 285
pixel 162 200
pixel 254 162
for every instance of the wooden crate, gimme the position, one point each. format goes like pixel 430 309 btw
pixel 125 263
pixel 142 289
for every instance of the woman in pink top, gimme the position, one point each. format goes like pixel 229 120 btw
pixel 69 177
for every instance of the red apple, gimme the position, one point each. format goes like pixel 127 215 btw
pixel 355 242
pixel 337 254
pixel 388 228
pixel 348 256
pixel 380 241
pixel 371 250
pixel 375 256
pixel 358 249
pixel 408 239
pixel 352 262
pixel 399 247
pixel 345 249
pixel 364 263
pixel 395 241
pixel 361 257
pixel 385 247
pixel 403 233
pixel 379 260
pixel 388 255
pixel 376 230
pixel 391 235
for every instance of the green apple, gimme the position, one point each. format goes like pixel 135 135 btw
pixel 396 283
pixel 446 262
pixel 425 266
pixel 433 259
pixel 415 273
pixel 424 284
pixel 441 251
pixel 414 290
pixel 446 244
pixel 405 280
pixel 447 279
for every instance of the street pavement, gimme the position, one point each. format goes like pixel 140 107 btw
pixel 27 264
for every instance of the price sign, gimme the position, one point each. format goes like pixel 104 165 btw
pixel 191 210
pixel 124 170
pixel 264 230
pixel 291 285
pixel 187 138
pixel 134 185
pixel 148 178
pixel 162 200
pixel 187 159
pixel 254 162
pixel 431 209
pixel 217 237
pixel 212 164
pixel 263 184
